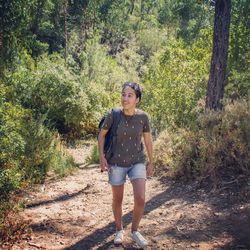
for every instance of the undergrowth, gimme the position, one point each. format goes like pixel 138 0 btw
pixel 217 148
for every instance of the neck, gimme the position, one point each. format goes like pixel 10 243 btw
pixel 129 111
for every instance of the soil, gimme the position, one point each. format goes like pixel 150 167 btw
pixel 75 213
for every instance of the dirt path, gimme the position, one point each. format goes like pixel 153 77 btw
pixel 75 213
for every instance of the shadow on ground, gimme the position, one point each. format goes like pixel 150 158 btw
pixel 58 199
pixel 233 221
pixel 230 215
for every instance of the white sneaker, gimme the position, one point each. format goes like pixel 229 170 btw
pixel 140 240
pixel 118 237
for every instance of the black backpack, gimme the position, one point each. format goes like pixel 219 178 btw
pixel 111 136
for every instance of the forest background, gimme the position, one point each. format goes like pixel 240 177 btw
pixel 61 68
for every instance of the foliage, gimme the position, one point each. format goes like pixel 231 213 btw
pixel 218 148
pixel 99 67
pixel 15 16
pixel 94 157
pixel 52 90
pixel 28 151
pixel 130 61
pixel 176 80
pixel 150 40
pixel 188 17
pixel 116 28
pixel 238 85
pixel 239 47
pixel 60 163
pixel 11 140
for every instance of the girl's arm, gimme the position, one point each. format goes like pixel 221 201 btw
pixel 149 147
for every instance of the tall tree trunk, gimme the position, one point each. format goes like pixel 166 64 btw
pixel 1 26
pixel 132 7
pixel 65 31
pixel 217 77
pixel 1 42
pixel 1 39
pixel 142 9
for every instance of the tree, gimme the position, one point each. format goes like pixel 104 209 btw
pixel 65 31
pixel 217 77
pixel 14 19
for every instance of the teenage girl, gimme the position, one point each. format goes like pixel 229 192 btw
pixel 128 159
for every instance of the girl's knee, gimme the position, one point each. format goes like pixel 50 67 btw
pixel 117 200
pixel 140 200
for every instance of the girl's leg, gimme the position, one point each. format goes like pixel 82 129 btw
pixel 117 205
pixel 139 202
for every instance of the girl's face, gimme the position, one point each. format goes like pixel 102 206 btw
pixel 128 98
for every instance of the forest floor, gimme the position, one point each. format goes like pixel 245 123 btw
pixel 75 213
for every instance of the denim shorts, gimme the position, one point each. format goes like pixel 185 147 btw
pixel 117 175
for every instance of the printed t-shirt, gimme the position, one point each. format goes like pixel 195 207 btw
pixel 129 147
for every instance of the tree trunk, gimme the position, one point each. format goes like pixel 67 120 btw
pixel 217 77
pixel 132 7
pixel 65 31
pixel 142 9
pixel 1 27
pixel 1 39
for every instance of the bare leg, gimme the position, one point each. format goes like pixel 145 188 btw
pixel 117 205
pixel 139 202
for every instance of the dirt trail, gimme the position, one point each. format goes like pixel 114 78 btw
pixel 75 213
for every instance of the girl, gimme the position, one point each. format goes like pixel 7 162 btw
pixel 128 159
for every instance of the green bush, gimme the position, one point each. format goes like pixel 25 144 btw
pixel 238 85
pixel 150 40
pixel 94 156
pixel 12 143
pixel 28 151
pixel 217 148
pixel 59 162
pixel 50 89
pixel 176 80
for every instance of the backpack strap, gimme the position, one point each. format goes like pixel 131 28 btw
pixel 111 137
pixel 116 114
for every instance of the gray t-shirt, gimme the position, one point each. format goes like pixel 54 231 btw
pixel 129 148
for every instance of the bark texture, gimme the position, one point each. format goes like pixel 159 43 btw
pixel 217 77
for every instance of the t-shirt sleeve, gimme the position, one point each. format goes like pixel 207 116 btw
pixel 146 125
pixel 107 121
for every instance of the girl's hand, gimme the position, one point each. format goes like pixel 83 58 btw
pixel 149 169
pixel 103 164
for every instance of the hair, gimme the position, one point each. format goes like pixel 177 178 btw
pixel 136 87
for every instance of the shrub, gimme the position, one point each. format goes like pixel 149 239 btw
pixel 176 80
pixel 218 148
pixel 238 85
pixel 50 89
pixel 59 162
pixel 94 156
pixel 150 40
pixel 12 143
pixel 28 151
